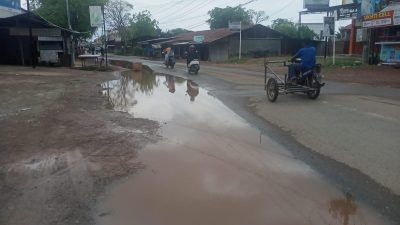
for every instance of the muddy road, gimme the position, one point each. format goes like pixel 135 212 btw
pixel 149 148
pixel 61 144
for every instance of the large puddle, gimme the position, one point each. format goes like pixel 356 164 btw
pixel 213 168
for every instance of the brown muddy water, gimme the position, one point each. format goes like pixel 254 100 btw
pixel 213 168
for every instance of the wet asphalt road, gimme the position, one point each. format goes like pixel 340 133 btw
pixel 349 135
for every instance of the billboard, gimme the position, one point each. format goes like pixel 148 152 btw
pixel 13 4
pixel 315 5
pixel 373 6
pixel 345 2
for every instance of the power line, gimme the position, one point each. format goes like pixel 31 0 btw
pixel 278 11
pixel 198 6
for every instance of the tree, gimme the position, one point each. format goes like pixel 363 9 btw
pixel 290 29
pixel 119 17
pixel 341 35
pixel 220 17
pixel 177 31
pixel 55 12
pixel 143 25
pixel 305 32
pixel 258 17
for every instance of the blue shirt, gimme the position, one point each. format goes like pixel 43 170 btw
pixel 307 56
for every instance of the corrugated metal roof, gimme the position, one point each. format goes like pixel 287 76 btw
pixel 209 35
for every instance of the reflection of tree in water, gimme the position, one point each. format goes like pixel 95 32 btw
pixel 122 97
pixel 121 93
pixel 143 81
pixel 343 208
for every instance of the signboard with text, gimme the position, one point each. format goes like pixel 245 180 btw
pixel 378 19
pixel 198 39
pixel 96 16
pixel 345 2
pixel 235 26
pixel 346 12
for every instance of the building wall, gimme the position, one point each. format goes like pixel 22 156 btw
pixel 218 51
pixel 255 46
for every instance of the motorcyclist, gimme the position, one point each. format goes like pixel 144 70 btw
pixel 167 52
pixel 307 54
pixel 192 54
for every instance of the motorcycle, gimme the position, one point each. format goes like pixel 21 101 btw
pixel 194 66
pixel 308 82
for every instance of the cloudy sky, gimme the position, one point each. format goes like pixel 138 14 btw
pixel 192 14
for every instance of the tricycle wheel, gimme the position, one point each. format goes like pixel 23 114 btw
pixel 313 83
pixel 272 90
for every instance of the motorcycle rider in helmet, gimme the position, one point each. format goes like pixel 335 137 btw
pixel 192 54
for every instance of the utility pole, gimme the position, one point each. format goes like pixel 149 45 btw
pixel 105 36
pixel 33 54
pixel 240 41
pixel 70 37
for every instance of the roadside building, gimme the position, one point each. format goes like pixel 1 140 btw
pixel 152 47
pixel 221 44
pixel 50 42
pixel 383 24
pixel 343 45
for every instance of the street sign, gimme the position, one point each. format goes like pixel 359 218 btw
pixel 235 26
pixel 329 26
pixel 96 16
pixel 198 39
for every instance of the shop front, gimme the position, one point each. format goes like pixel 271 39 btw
pixel 384 27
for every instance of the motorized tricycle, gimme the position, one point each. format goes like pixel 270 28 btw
pixel 309 82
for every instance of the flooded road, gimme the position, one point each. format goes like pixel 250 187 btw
pixel 212 167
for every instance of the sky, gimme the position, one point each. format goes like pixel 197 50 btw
pixel 192 14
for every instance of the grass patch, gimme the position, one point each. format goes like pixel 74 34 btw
pixel 339 62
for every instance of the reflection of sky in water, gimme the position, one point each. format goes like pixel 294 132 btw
pixel 152 97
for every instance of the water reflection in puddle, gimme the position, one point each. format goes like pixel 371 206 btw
pixel 211 167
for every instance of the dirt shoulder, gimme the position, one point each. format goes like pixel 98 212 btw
pixel 60 144
pixel 365 74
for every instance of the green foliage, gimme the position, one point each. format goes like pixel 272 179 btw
pixel 55 12
pixel 258 16
pixel 118 17
pixel 177 31
pixel 143 25
pixel 290 29
pixel 341 35
pixel 305 32
pixel 285 26
pixel 220 17
pixel 138 51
